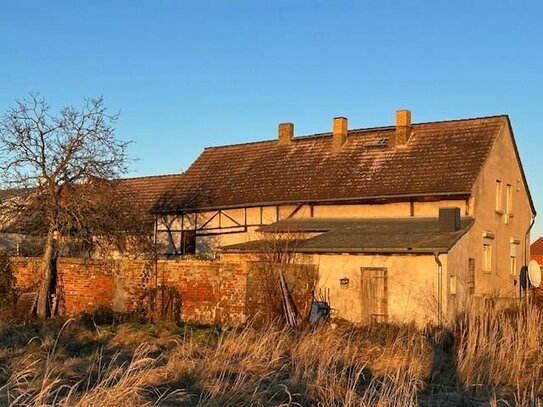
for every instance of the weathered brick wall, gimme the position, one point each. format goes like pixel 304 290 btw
pixel 211 292
pixel 224 293
pixel 83 285
pixel 26 271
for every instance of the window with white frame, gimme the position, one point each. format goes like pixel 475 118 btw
pixel 499 196
pixel 488 238
pixel 513 265
pixel 508 203
pixel 514 243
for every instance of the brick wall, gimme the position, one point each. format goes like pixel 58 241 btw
pixel 83 285
pixel 224 293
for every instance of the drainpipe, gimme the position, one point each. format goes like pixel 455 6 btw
pixel 526 245
pixel 439 289
pixel 527 241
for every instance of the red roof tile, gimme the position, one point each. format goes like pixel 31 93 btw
pixel 536 249
pixel 145 191
pixel 439 158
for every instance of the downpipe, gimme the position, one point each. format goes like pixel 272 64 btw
pixel 526 246
pixel 527 241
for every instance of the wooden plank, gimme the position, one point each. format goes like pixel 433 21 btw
pixel 26 303
pixel 374 294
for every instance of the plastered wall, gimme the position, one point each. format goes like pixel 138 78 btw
pixel 411 285
pixel 501 165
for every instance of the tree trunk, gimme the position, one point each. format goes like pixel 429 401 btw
pixel 47 270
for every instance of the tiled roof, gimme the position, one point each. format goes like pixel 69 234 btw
pixel 145 191
pixel 536 249
pixel 141 193
pixel 440 158
pixel 386 235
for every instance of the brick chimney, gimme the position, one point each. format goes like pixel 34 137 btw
pixel 449 219
pixel 403 127
pixel 286 133
pixel 339 133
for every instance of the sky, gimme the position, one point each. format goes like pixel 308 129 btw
pixel 189 74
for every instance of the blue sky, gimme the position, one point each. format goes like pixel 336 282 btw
pixel 190 74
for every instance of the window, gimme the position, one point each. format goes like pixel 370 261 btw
pixel 513 256
pixel 488 238
pixel 513 265
pixel 499 199
pixel 452 285
pixel 508 204
pixel 188 242
pixel 487 257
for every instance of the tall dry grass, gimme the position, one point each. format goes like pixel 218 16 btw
pixel 491 359
pixel 501 352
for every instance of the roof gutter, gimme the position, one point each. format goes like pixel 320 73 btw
pixel 373 251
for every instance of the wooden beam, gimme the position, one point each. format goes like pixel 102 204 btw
pixel 295 211
pixel 215 228
pixel 209 220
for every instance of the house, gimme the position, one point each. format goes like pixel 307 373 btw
pixel 536 250
pixel 123 207
pixel 409 221
pixel 17 237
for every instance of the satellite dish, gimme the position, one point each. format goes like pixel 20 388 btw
pixel 534 273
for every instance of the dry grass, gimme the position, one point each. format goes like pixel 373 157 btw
pixel 491 360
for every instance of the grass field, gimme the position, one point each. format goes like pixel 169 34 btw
pixel 492 360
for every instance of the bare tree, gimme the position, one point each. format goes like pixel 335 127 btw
pixel 61 159
pixel 279 247
pixel 283 276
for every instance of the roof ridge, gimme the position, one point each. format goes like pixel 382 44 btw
pixel 496 116
pixel 151 176
pixel 359 130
